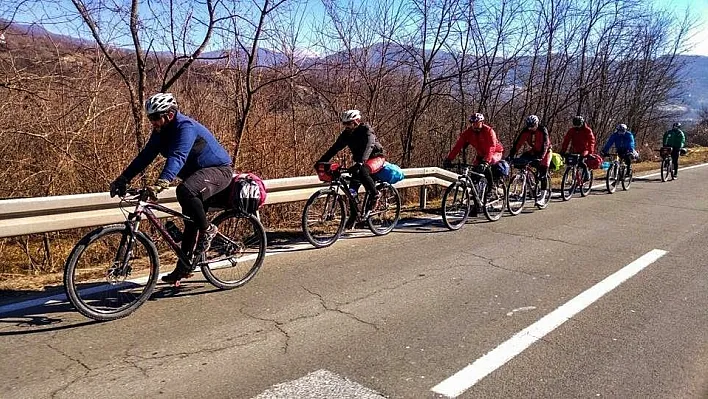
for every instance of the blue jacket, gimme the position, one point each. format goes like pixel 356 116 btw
pixel 187 145
pixel 622 142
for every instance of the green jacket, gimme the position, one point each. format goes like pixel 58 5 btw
pixel 674 138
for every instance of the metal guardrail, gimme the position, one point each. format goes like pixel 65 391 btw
pixel 40 215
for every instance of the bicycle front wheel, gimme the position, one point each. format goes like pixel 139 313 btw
pixel 516 193
pixel 323 218
pixel 384 217
pixel 587 184
pixel 568 184
pixel 666 169
pixel 494 200
pixel 237 252
pixel 111 272
pixel 455 206
pixel 611 178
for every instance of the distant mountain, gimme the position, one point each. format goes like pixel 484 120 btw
pixel 694 93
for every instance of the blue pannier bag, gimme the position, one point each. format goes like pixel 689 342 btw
pixel 502 168
pixel 390 173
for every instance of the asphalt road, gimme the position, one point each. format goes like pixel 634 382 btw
pixel 396 316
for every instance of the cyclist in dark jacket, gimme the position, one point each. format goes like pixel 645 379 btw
pixel 535 136
pixel 623 140
pixel 676 139
pixel 194 155
pixel 367 153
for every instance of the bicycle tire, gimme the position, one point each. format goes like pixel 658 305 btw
pixel 568 184
pixel 493 202
pixel 310 233
pixel 627 178
pixel 665 169
pixel 450 207
pixel 90 248
pixel 513 195
pixel 584 191
pixel 241 241
pixel 388 198
pixel 549 192
pixel 671 168
pixel 611 178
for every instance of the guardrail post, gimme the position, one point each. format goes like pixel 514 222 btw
pixel 423 196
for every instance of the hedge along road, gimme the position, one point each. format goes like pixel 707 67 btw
pixel 403 313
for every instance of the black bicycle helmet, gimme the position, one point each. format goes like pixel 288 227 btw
pixel 578 121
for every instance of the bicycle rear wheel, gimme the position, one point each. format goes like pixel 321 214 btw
pixel 455 206
pixel 111 272
pixel 383 219
pixel 516 193
pixel 494 199
pixel 323 218
pixel 237 252
pixel 587 185
pixel 611 178
pixel 543 197
pixel 568 184
pixel 627 178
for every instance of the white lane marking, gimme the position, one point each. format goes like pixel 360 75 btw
pixel 659 172
pixel 473 373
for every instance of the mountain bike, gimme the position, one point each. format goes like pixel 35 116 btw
pixel 327 211
pixel 472 188
pixel 114 269
pixel 526 183
pixel 667 164
pixel 618 171
pixel 573 177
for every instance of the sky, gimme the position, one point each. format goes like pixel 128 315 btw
pixel 698 8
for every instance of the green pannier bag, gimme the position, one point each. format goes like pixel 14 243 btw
pixel 556 161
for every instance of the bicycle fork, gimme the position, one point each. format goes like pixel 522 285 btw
pixel 121 269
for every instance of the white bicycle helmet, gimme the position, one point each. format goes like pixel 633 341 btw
pixel 621 127
pixel 160 103
pixel 476 117
pixel 350 115
pixel 532 120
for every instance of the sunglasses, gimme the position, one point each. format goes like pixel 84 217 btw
pixel 155 117
pixel 348 123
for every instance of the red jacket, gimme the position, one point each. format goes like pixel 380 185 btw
pixel 582 140
pixel 484 142
pixel 539 141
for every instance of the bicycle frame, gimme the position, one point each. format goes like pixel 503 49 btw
pixel 342 184
pixel 465 178
pixel 144 208
pixel 532 175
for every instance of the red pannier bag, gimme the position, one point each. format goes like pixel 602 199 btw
pixel 248 193
pixel 594 161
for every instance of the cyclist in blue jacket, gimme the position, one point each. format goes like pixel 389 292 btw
pixel 623 140
pixel 195 156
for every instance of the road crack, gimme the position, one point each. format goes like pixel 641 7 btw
pixel 84 366
pixel 338 310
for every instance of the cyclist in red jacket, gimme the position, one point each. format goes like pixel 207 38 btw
pixel 581 140
pixel 484 140
pixel 535 136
